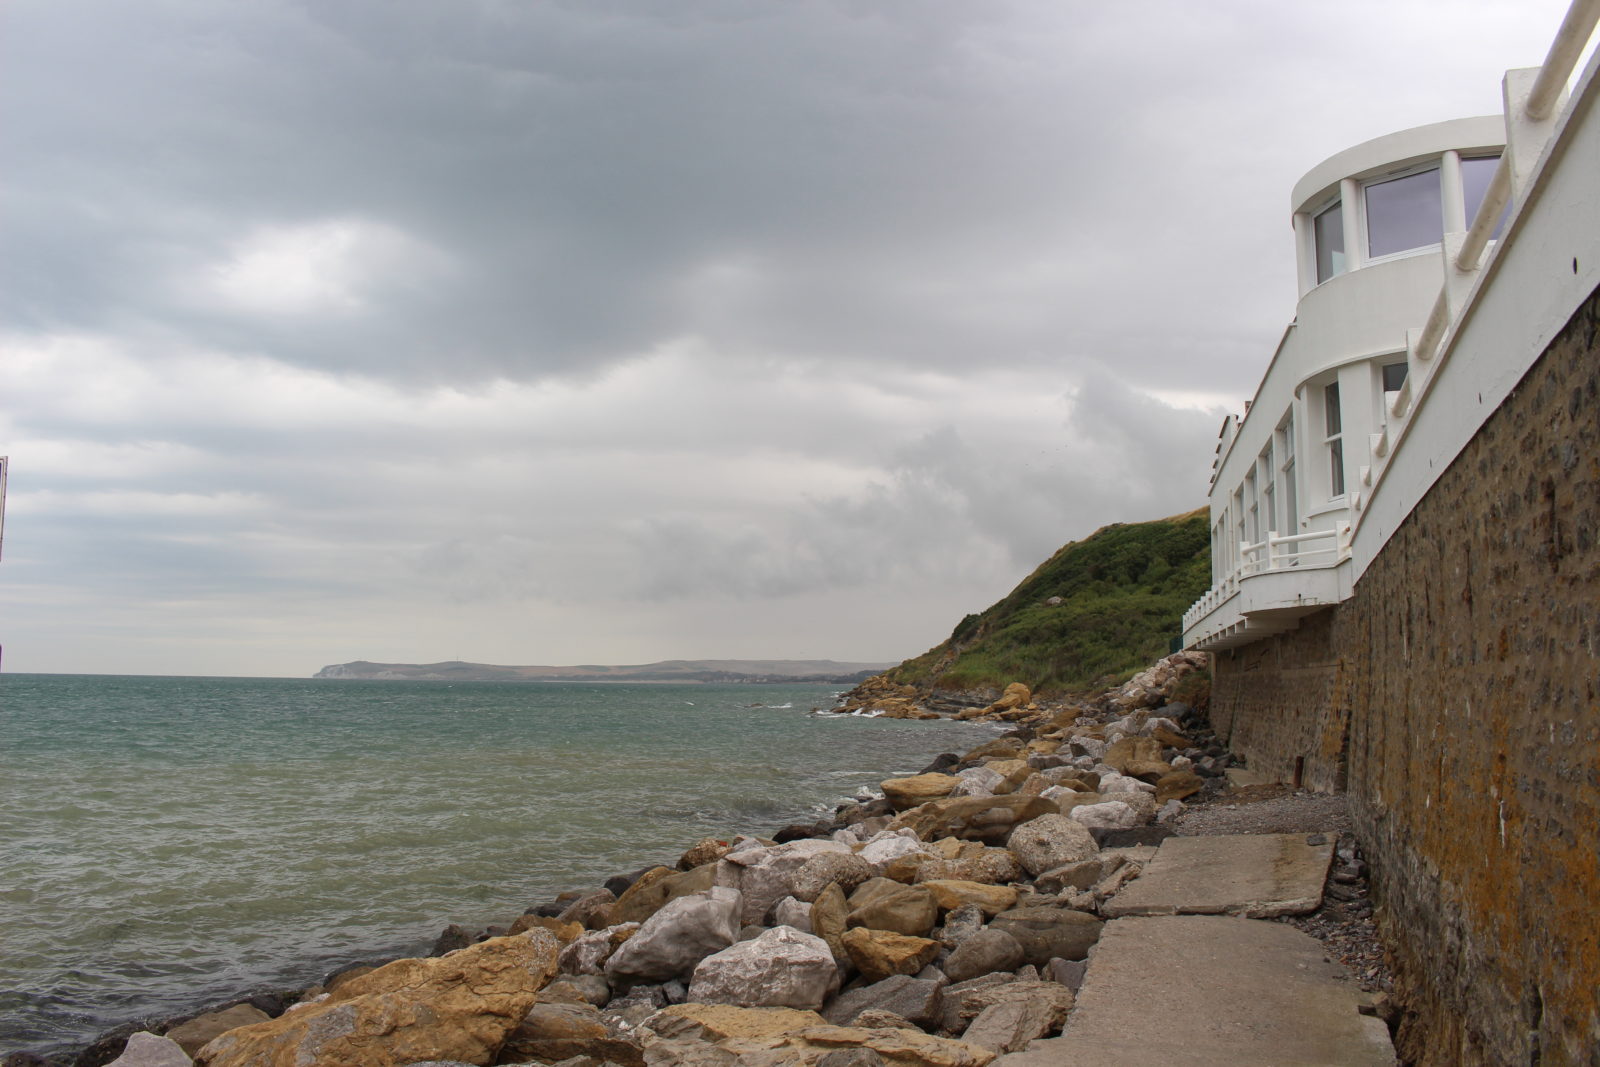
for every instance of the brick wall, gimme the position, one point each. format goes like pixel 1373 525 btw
pixel 1457 696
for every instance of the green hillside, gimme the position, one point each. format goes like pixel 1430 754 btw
pixel 1123 591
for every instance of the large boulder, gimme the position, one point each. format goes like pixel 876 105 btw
pixel 1048 933
pixel 987 819
pixel 846 868
pixel 1131 750
pixel 783 968
pixel 685 931
pixel 916 999
pixel 882 904
pixel 550 1033
pixel 877 954
pixel 990 866
pixel 1050 841
pixel 461 1006
pixel 725 1022
pixel 918 789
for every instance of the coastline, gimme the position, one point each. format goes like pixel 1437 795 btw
pixel 872 815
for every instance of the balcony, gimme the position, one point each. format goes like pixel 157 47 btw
pixel 1277 582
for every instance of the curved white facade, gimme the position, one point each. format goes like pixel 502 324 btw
pixel 1403 269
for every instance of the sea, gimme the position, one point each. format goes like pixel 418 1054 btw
pixel 169 843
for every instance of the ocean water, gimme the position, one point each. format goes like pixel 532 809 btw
pixel 168 842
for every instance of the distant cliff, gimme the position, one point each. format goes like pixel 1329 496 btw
pixel 674 670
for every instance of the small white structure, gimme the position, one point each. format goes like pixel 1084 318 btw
pixel 1434 268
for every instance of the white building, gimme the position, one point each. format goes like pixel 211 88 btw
pixel 1397 239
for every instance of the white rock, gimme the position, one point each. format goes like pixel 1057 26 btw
pixel 783 968
pixel 1170 810
pixel 1093 746
pixel 680 935
pixel 1182 763
pixel 1050 841
pixel 888 846
pixel 1121 783
pixel 771 877
pixel 1111 815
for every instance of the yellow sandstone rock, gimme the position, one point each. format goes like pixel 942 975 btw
pixel 456 1007
pixel 918 789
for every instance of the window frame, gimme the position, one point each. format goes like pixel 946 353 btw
pixel 1435 164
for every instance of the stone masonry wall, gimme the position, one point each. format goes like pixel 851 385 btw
pixel 1463 682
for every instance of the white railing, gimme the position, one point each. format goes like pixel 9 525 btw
pixel 1274 554
pixel 1279 553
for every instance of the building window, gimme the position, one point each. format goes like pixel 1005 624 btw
pixel 1269 492
pixel 1475 176
pixel 1335 440
pixel 1404 213
pixel 1394 376
pixel 1328 233
pixel 1291 497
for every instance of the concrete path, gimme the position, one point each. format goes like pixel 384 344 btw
pixel 1255 875
pixel 1212 991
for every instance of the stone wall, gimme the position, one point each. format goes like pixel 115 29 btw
pixel 1457 696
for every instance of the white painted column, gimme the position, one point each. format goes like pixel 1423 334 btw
pixel 1452 195
pixel 1355 249
pixel 1305 252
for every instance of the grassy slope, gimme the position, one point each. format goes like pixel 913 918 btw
pixel 1124 590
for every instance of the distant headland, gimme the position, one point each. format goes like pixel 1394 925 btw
pixel 672 670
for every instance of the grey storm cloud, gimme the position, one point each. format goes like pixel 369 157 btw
pixel 617 329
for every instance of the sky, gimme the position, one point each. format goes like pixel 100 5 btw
pixel 610 331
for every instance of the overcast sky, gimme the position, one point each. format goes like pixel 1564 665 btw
pixel 623 330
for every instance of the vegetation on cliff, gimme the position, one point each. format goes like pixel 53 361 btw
pixel 1096 611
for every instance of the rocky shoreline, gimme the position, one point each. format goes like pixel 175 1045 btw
pixel 945 923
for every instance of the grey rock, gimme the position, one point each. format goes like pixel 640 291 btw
pixel 147 1050
pixel 783 968
pixel 961 924
pixel 628 1011
pixel 1108 815
pixel 680 935
pixel 1080 875
pixel 1068 972
pixel 846 868
pixel 590 909
pixel 878 1019
pixel 588 954
pixel 916 999
pixel 985 952
pixel 1045 933
pixel 687 1052
pixel 962 1008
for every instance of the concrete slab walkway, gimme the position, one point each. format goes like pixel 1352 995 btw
pixel 1212 991
pixel 1255 875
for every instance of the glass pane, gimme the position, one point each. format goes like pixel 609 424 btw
pixel 1330 397
pixel 1394 375
pixel 1336 453
pixel 1328 232
pixel 1404 213
pixel 1475 175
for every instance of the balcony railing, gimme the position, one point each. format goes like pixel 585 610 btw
pixel 1311 551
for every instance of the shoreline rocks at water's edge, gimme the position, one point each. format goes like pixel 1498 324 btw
pixel 946 922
